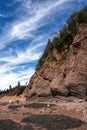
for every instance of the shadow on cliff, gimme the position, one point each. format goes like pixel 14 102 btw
pixel 53 122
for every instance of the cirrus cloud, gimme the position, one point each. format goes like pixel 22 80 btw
pixel 24 34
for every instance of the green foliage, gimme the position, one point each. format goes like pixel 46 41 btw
pixel 19 84
pixel 1 92
pixel 13 91
pixel 82 16
pixel 10 89
pixel 63 61
pixel 47 50
pixel 73 23
pixel 65 37
pixel 73 50
pixel 56 41
pixel 59 63
pixel 18 90
pixel 76 19
pixel 85 30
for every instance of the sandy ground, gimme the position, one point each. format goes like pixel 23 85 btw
pixel 13 98
pixel 48 115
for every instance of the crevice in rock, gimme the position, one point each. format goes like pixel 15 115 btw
pixel 64 75
pixel 54 92
pixel 45 78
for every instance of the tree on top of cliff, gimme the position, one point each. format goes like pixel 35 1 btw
pixel 66 35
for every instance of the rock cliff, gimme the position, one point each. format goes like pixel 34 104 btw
pixel 65 74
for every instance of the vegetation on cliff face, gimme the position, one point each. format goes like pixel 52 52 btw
pixel 66 35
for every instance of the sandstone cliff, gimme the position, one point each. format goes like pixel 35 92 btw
pixel 65 74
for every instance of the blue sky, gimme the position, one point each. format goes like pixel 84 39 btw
pixel 25 27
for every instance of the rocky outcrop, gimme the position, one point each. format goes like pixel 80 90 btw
pixel 66 74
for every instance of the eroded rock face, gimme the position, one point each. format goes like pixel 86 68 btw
pixel 65 75
pixel 76 79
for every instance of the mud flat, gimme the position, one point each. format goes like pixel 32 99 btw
pixel 42 115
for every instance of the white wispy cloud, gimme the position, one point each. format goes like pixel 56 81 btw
pixel 25 27
pixel 31 53
pixel 21 29
pixel 2 15
pixel 12 78
pixel 11 71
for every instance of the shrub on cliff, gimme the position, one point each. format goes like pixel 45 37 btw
pixel 66 35
pixel 82 16
pixel 47 50
pixel 73 23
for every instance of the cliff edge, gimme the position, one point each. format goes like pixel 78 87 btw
pixel 63 73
